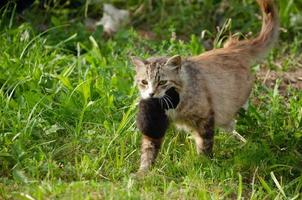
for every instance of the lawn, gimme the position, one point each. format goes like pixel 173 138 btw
pixel 68 104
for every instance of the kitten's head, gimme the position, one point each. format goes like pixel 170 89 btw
pixel 155 76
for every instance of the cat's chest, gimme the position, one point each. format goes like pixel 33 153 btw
pixel 171 113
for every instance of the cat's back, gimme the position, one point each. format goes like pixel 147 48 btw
pixel 228 81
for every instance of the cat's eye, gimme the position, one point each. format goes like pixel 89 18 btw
pixel 144 82
pixel 162 82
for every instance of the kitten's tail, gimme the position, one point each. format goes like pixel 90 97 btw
pixel 257 47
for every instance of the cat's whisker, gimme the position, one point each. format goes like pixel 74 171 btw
pixel 167 104
pixel 168 96
pixel 169 100
pixel 170 103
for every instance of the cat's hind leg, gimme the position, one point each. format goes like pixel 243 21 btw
pixel 204 136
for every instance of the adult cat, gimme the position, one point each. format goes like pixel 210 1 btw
pixel 212 86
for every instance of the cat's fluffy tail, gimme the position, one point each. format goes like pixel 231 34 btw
pixel 257 47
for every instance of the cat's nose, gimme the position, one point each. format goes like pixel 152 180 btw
pixel 151 94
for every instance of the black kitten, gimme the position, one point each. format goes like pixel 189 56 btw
pixel 151 118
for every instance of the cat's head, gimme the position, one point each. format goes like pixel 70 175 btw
pixel 155 76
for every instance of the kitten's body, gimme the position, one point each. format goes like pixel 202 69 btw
pixel 212 86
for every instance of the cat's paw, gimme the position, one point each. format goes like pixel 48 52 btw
pixel 139 174
pixel 205 152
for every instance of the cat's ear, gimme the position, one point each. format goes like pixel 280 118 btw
pixel 137 62
pixel 174 62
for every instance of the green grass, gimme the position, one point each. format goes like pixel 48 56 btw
pixel 68 104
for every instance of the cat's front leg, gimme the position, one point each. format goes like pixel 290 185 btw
pixel 149 150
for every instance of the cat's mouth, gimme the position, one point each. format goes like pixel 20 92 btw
pixel 169 100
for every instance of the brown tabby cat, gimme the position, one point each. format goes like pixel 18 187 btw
pixel 212 86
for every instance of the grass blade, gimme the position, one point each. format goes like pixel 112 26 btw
pixel 277 184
